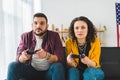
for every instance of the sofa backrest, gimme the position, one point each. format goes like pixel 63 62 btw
pixel 110 62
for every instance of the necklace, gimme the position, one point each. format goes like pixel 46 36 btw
pixel 80 44
pixel 82 48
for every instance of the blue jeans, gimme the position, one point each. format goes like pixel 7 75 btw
pixel 89 74
pixel 19 71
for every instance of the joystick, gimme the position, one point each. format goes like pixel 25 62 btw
pixel 31 52
pixel 78 56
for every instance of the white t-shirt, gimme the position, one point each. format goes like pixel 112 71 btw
pixel 37 63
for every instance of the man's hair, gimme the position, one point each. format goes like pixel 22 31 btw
pixel 41 15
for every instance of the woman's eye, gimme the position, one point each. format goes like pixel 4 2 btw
pixel 76 27
pixel 82 27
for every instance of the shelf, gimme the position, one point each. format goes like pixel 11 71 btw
pixel 66 31
pixel 63 31
pixel 64 34
pixel 101 30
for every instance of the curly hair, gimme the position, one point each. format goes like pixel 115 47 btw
pixel 91 29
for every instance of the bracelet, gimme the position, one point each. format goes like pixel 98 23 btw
pixel 49 56
pixel 45 55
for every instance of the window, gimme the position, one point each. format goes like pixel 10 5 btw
pixel 16 17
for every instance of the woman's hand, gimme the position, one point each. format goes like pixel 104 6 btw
pixel 87 61
pixel 71 60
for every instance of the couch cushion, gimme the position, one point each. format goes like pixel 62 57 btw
pixel 110 62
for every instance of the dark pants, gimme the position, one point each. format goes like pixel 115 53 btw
pixel 19 71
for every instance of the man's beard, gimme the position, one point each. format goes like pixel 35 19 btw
pixel 40 34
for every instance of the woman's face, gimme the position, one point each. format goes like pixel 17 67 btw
pixel 80 29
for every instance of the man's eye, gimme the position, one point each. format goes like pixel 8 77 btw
pixel 42 23
pixel 35 22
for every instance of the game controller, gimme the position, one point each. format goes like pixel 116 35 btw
pixel 78 56
pixel 31 52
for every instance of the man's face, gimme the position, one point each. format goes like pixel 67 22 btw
pixel 39 26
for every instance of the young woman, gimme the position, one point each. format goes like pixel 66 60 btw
pixel 83 51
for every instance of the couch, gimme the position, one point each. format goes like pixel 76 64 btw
pixel 110 62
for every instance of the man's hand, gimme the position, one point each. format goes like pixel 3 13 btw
pixel 41 53
pixel 24 57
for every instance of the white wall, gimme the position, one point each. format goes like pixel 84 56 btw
pixel 100 12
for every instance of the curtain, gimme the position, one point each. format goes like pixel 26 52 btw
pixel 15 18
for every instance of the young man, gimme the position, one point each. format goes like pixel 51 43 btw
pixel 47 62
